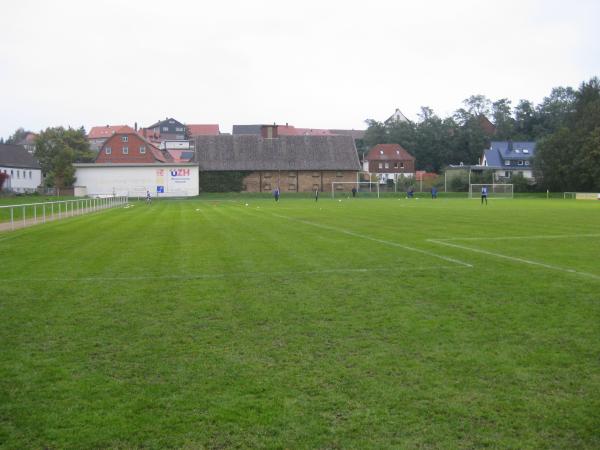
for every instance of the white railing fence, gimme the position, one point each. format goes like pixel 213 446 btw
pixel 25 214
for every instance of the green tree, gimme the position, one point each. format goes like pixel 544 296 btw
pixel 569 158
pixel 57 149
pixel 503 120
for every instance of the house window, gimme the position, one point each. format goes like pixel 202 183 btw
pixel 316 174
pixel 387 165
pixel 179 136
pixel 402 165
pixel 381 165
pixel 108 150
pixel 292 187
pixel 339 174
pixel 178 128
pixel 395 165
pixel 267 175
pixel 381 152
pixel 520 163
pixel 18 174
pixel 526 163
pixel 292 174
pixel 125 150
pixel 165 128
pixel 142 150
pixel 124 138
pixel 506 174
pixel 397 152
pixel 507 162
pixel 30 174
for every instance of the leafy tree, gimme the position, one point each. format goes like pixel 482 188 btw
pixel 555 110
pixel 526 121
pixel 502 118
pixel 478 105
pixel 569 158
pixel 57 149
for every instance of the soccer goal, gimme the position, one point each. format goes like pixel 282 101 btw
pixel 344 188
pixel 493 190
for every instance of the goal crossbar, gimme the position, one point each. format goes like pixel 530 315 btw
pixel 373 186
pixel 500 190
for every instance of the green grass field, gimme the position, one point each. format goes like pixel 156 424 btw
pixel 360 324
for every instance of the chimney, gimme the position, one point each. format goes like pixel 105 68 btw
pixel 135 126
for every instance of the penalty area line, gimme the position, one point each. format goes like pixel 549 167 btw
pixel 381 241
pixel 509 238
pixel 515 259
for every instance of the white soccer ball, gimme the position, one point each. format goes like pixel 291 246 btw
pixel 246 204
pixel 339 200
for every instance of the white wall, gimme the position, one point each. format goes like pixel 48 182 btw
pixel 177 180
pixel 22 180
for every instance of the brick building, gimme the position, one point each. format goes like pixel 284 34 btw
pixel 126 146
pixel 389 162
pixel 290 163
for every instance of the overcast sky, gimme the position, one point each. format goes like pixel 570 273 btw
pixel 319 64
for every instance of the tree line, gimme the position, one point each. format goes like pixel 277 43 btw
pixel 565 125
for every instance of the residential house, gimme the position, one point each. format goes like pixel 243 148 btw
pixel 397 117
pixel 168 129
pixel 203 130
pixel 28 142
pixel 506 158
pixel 98 135
pixel 389 162
pixel 23 170
pixel 127 146
pixel 290 163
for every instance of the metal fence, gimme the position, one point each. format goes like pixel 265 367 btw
pixel 27 214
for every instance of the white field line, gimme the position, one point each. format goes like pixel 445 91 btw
pixel 381 241
pixel 226 275
pixel 507 238
pixel 515 259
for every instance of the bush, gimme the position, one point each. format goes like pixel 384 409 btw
pixel 226 181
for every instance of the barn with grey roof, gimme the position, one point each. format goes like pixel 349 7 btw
pixel 290 163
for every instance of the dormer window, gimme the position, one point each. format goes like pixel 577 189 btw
pixel 397 152
pixel 507 162
pixel 124 138
pixel 108 150
pixel 525 150
pixel 142 150
pixel 381 152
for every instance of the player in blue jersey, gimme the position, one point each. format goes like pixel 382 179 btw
pixel 484 193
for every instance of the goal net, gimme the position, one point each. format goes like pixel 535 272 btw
pixel 354 188
pixel 493 190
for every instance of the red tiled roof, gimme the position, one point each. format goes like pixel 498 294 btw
pixel 203 130
pixel 390 152
pixel 103 132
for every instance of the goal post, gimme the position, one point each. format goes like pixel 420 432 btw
pixel 493 190
pixel 345 187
